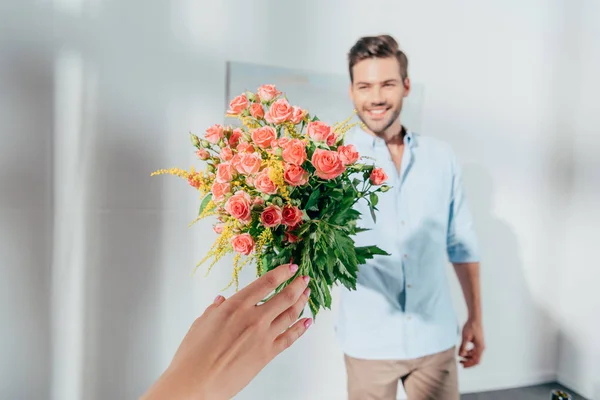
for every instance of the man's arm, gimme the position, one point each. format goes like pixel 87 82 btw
pixel 468 276
pixel 472 343
pixel 462 248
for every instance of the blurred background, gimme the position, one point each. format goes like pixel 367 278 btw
pixel 96 290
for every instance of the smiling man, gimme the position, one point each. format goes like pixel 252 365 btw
pixel 400 325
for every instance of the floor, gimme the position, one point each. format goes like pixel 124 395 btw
pixel 540 392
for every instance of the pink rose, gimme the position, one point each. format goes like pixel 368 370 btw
pixel 245 148
pixel 226 154
pixel 257 111
pixel 348 154
pixel 235 137
pixel 203 154
pixel 291 215
pixel 238 206
pixel 258 202
pixel 289 237
pixel 264 136
pixel 219 190
pixel 297 115
pixel 224 172
pixel 327 163
pixel 271 216
pixel 237 105
pixel 218 228
pixel 331 139
pixel 264 184
pixel 295 175
pixel 279 112
pixel 378 176
pixel 318 131
pixel 294 152
pixel 249 163
pixel 268 92
pixel 282 142
pixel 214 133
pixel 250 180
pixel 243 243
pixel 235 161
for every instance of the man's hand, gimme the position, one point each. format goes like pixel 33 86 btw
pixel 472 345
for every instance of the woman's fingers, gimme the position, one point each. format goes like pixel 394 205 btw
pixel 287 338
pixel 263 286
pixel 218 300
pixel 216 303
pixel 289 316
pixel 286 298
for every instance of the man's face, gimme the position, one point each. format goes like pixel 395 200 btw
pixel 378 92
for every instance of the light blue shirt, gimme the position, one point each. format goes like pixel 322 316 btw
pixel 402 308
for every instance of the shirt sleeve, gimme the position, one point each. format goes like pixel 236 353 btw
pixel 462 245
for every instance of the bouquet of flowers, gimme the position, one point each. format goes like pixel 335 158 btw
pixel 282 187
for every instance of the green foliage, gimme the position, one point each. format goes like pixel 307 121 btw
pixel 326 250
pixel 204 203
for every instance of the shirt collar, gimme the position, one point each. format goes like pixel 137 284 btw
pixel 409 139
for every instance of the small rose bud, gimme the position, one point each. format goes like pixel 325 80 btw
pixel 385 188
pixel 195 140
pixel 277 201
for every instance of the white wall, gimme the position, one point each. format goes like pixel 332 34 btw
pixel 579 354
pixel 25 214
pixel 127 79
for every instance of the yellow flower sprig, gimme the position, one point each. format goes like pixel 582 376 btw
pixel 276 174
pixel 341 128
pixel 250 123
pixel 237 267
pixel 210 209
pixel 182 173
pixel 264 239
pixel 220 247
pixel 201 180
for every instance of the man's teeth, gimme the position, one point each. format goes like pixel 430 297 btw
pixel 377 111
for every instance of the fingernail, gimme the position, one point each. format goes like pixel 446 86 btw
pixel 293 268
pixel 308 323
pixel 306 279
pixel 217 298
pixel 307 292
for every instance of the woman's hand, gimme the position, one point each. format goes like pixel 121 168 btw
pixel 234 339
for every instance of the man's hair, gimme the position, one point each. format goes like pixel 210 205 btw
pixel 382 46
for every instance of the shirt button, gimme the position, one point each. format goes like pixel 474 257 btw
pixel 403 222
pixel 406 256
pixel 409 318
pixel 409 286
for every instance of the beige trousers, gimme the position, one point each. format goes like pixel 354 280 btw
pixel 431 377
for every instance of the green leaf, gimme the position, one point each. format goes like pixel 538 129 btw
pixel 204 203
pixel 372 209
pixel 374 199
pixel 312 199
pixel 336 195
pixel 364 253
